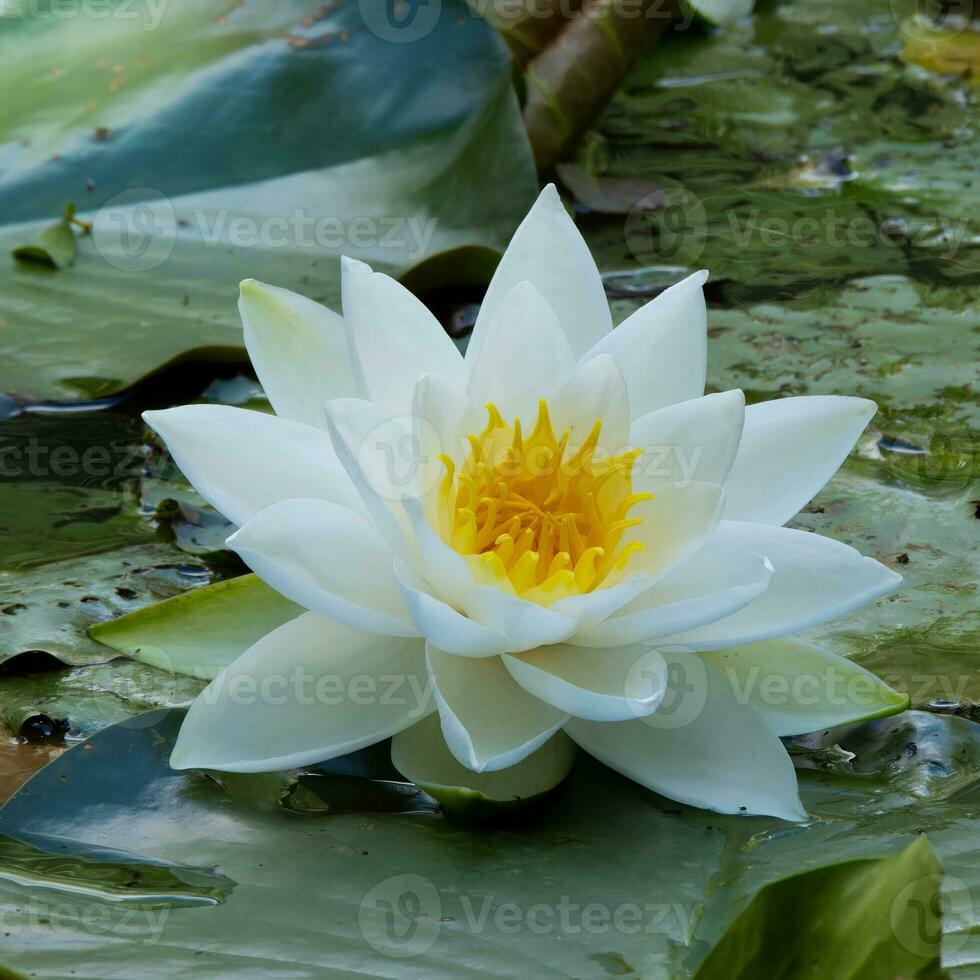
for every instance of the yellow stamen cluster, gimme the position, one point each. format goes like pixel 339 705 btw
pixel 531 511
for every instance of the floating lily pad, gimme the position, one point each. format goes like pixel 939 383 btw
pixel 203 163
pixel 605 875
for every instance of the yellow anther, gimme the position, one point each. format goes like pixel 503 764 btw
pixel 535 520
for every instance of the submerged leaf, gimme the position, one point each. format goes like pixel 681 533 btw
pixel 874 919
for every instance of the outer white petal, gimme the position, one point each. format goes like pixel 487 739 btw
pixel 299 350
pixel 443 568
pixel 396 338
pixel 594 607
pixel 442 417
pixel 600 685
pixel 549 251
pixel 441 624
pixel 798 687
pixel 790 448
pixel 662 348
pixel 488 720
pixel 711 584
pixel 692 440
pixel 287 701
pixel 701 747
pixel 241 461
pixel 329 559
pixel 676 523
pixel 368 443
pixel 595 390
pixel 525 624
pixel 815 579
pixel 524 358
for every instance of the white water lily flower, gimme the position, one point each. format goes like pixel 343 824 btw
pixel 580 534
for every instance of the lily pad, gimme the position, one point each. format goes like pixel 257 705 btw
pixel 224 619
pixel 577 891
pixel 203 163
pixel 877 918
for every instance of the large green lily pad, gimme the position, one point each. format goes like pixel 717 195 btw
pixel 262 148
pixel 606 879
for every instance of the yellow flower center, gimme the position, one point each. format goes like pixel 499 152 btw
pixel 535 517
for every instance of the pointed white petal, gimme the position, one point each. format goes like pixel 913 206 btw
pixel 525 624
pixel 441 624
pixel 328 559
pixel 396 338
pixel 299 350
pixel 790 448
pixel 711 584
pixel 594 607
pixel 489 721
pixel 549 251
pixel 815 579
pixel 595 390
pixel 798 687
pixel 443 416
pixel 443 568
pixel 616 684
pixel 692 440
pixel 241 461
pixel 420 754
pixel 700 747
pixel 662 348
pixel 300 696
pixel 676 523
pixel 370 447
pixel 524 358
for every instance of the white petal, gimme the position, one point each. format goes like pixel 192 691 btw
pixel 594 607
pixel 700 747
pixel 525 624
pixel 368 444
pixel 442 417
pixel 420 754
pixel 549 251
pixel 711 584
pixel 396 338
pixel 676 523
pixel 524 357
pixel 790 448
pixel 302 694
pixel 441 624
pixel 241 462
pixel 662 348
pixel 692 440
pixel 815 579
pixel 595 390
pixel 299 350
pixel 600 685
pixel 328 559
pixel 798 687
pixel 488 720
pixel 443 567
